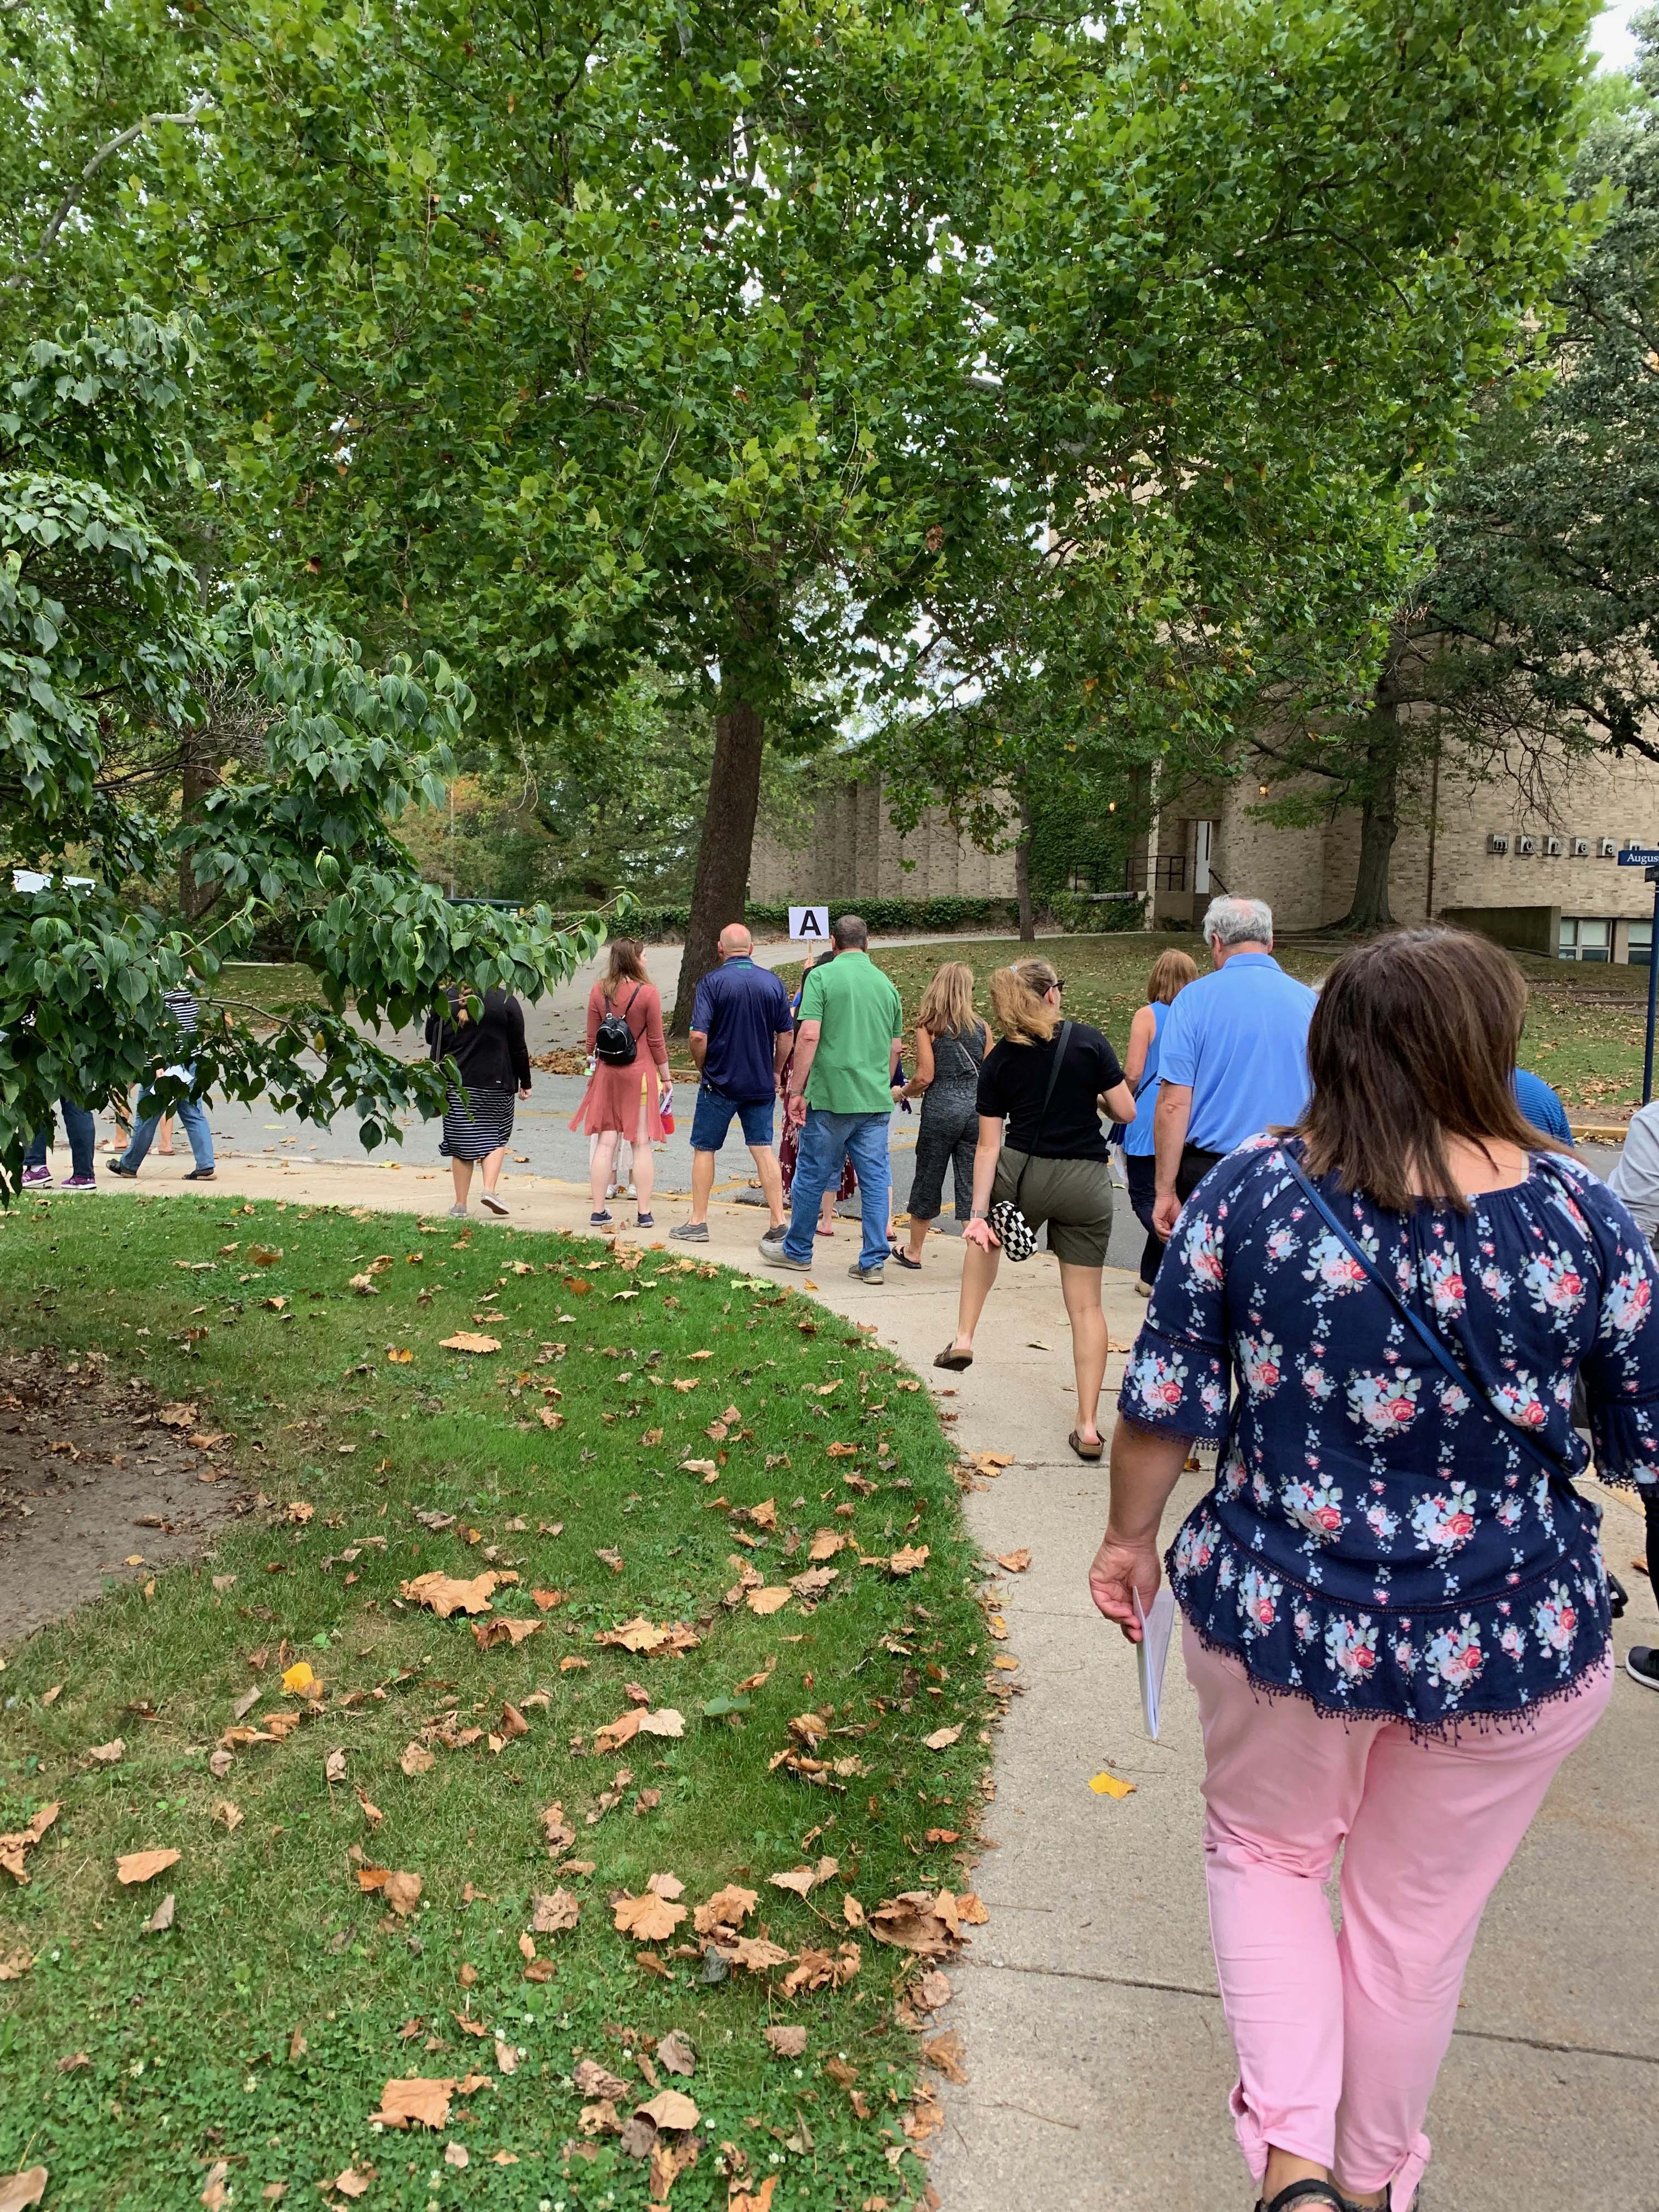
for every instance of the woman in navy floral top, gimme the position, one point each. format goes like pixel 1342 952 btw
pixel 1396 1606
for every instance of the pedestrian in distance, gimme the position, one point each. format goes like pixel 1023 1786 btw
pixel 186 1010
pixel 1396 1606
pixel 789 1142
pixel 1048 1078
pixel 1232 1056
pixel 1171 973
pixel 742 1030
pixel 840 1098
pixel 951 1045
pixel 493 1061
pixel 624 1016
pixel 81 1134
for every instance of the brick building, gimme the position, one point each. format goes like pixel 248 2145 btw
pixel 1543 877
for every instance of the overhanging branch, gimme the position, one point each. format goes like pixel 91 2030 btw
pixel 71 196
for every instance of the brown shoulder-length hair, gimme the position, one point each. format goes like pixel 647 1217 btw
pixel 1171 973
pixel 1413 1040
pixel 627 965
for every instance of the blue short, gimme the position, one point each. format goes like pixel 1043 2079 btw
pixel 712 1118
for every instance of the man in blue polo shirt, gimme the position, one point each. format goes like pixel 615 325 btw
pixel 1233 1057
pixel 741 1025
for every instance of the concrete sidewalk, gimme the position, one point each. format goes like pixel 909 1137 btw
pixel 1097 2059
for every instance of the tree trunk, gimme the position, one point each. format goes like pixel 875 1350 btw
pixel 1022 875
pixel 1379 809
pixel 722 887
pixel 200 774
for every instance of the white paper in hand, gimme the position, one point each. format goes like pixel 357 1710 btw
pixel 1152 1652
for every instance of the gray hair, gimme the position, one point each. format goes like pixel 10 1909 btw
pixel 1239 921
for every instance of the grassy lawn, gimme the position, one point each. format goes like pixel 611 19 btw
pixel 242 984
pixel 259 2029
pixel 1584 1027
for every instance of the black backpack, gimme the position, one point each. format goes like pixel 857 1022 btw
pixel 614 1041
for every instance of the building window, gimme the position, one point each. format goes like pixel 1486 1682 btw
pixel 1583 938
pixel 1641 943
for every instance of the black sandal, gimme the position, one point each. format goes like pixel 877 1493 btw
pixel 953 1359
pixel 1307 2192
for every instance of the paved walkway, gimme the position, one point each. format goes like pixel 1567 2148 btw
pixel 1098 2063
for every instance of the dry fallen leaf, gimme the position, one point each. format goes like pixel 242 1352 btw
pixel 415 1759
pixel 650 1917
pixel 760 2199
pixel 229 1816
pixel 765 1601
pixel 594 2082
pixel 787 2042
pixel 1107 1784
pixel 457 2154
pixel 665 1722
pixel 554 1910
pixel 334 1766
pixel 415 2100
pixel 446 1595
pixel 466 1341
pixel 161 1919
pixel 945 2053
pixel 1016 1562
pixel 14 1847
pixel 487 1634
pixel 677 2052
pixel 144 1866
pixel 727 1908
pixel 352 2182
pixel 402 1891
pixel 671 2108
pixel 906 1561
pixel 19 2190
pixel 14 1965
pixel 941 1739
pixel 108 1754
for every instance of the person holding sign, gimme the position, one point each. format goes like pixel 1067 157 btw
pixel 1396 1611
pixel 840 1097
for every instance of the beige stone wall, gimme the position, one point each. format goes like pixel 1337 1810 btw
pixel 854 852
pixel 1442 859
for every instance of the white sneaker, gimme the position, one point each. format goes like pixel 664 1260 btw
pixel 457 1213
pixel 495 1205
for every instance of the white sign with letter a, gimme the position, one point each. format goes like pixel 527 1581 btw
pixel 811 922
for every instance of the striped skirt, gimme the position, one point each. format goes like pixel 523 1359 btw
pixel 476 1123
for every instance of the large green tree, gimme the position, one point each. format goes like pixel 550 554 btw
pixel 1249 297
pixel 110 646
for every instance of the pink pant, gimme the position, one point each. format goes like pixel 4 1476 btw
pixel 1339 2037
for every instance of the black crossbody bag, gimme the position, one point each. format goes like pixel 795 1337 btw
pixel 1008 1224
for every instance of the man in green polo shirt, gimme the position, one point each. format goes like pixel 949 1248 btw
pixel 840 1097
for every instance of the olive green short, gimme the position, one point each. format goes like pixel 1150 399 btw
pixel 1074 1197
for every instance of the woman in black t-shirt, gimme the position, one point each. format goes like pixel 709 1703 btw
pixel 1052 1166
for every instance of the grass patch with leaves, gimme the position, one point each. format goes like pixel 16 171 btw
pixel 242 2051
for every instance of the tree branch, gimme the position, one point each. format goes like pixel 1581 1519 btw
pixel 49 236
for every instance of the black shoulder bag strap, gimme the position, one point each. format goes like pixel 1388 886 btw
pixel 1433 1342
pixel 1061 1043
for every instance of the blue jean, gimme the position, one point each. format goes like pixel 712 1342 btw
pixel 79 1127
pixel 825 1139
pixel 192 1119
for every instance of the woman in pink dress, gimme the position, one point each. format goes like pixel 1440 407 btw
pixel 621 1099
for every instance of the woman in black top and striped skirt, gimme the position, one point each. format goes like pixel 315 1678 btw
pixel 493 1061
